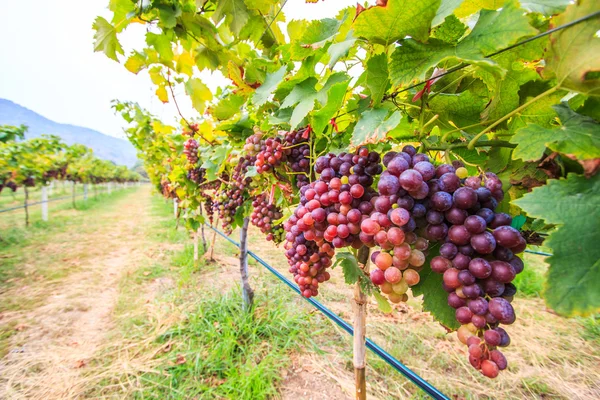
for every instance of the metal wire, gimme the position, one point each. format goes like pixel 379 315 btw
pixel 381 353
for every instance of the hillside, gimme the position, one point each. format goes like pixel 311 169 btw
pixel 107 147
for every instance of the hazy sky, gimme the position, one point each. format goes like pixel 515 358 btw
pixel 48 65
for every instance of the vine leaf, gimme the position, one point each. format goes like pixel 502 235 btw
pixel 271 82
pixel 373 126
pixel 377 76
pixel 435 299
pixel 578 136
pixel 446 8
pixel 105 39
pixel 450 31
pixel 494 30
pixel 545 7
pixel 573 55
pixel 335 100
pixel 227 107
pixel 396 20
pixel 162 45
pixel 199 93
pixel 136 62
pixel 235 13
pixel 382 303
pixel 349 265
pixel 573 204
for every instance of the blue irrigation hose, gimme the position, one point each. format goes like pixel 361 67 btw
pixel 539 253
pixel 384 355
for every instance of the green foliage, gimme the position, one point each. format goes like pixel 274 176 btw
pixel 571 204
pixel 503 108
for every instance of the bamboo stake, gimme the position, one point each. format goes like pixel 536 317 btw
pixel 360 320
pixel 44 203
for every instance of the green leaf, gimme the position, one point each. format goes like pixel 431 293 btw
pixel 446 9
pixel 264 6
pixel 545 7
pixel 373 126
pixel 335 99
pixel 578 136
pixel 339 50
pixel 235 13
pixel 469 7
pixel 261 95
pixel 168 15
pixel 494 30
pixel 573 204
pixel 396 20
pixel 450 31
pixel 573 53
pixel 518 221
pixel 303 97
pixel 382 303
pixel 227 107
pixel 350 267
pixel 105 39
pixel 377 76
pixel 199 93
pixel 162 44
pixel 435 298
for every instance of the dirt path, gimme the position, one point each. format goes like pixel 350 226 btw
pixel 61 335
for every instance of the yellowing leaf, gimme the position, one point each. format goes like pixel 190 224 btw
pixel 574 51
pixel 162 94
pixel 184 63
pixel 199 93
pixel 235 74
pixel 105 39
pixel 136 62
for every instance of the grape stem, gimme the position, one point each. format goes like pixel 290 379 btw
pixel 510 114
pixel 486 143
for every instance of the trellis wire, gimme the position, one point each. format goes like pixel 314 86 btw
pixel 374 347
pixel 40 202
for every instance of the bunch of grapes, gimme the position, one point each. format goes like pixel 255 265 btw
pixel 329 215
pixel 270 155
pixel 231 196
pixel 478 261
pixel 263 215
pixel 254 144
pixel 190 149
pixel 298 155
pixel 209 207
pixel 196 175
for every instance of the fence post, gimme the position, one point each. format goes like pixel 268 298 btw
pixel 360 320
pixel 51 188
pixel 175 208
pixel 85 191
pixel 247 292
pixel 44 203
pixel 73 193
pixel 196 236
pixel 109 187
pixel 26 207
pixel 201 229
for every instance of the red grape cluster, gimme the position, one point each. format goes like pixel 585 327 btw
pixel 231 196
pixel 271 155
pixel 478 261
pixel 190 149
pixel 254 144
pixel 329 215
pixel 263 215
pixel 209 207
pixel 196 175
pixel 298 155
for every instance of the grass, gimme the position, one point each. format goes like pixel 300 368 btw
pixel 180 332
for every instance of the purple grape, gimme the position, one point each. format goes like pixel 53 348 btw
pixel 483 243
pixel 459 235
pixel 475 224
pixel 464 198
pixel 449 250
pixel 478 306
pixel 449 182
pixel 456 216
pixel 507 236
pixel 456 302
pixel 461 261
pixel 493 288
pixel 411 180
pixel 502 310
pixel 441 201
pixel 502 271
pixel 425 168
pixel 480 268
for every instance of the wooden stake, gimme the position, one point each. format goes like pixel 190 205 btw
pixel 196 249
pixel 26 207
pixel 212 247
pixel 44 203
pixel 360 320
pixel 202 230
pixel 247 292
pixel 73 193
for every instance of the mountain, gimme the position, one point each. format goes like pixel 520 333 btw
pixel 106 147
